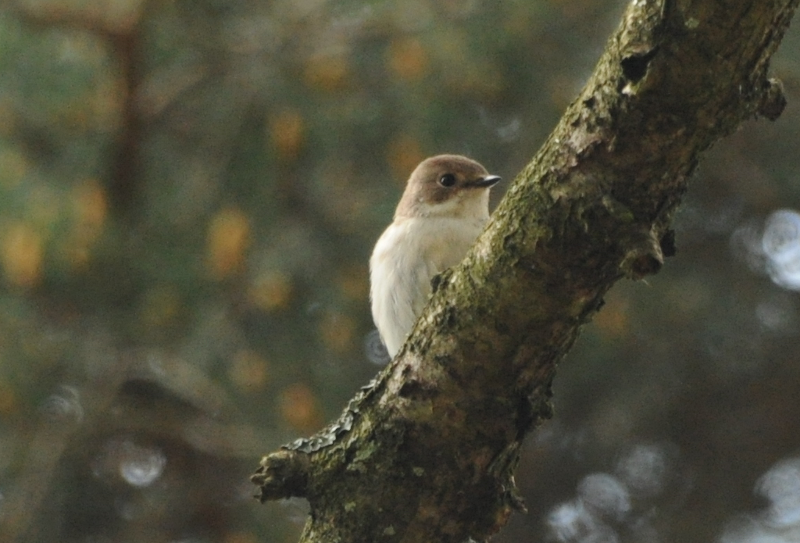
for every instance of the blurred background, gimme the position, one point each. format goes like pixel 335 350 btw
pixel 189 194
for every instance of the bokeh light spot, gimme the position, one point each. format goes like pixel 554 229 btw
pixel 353 283
pixel 272 291
pixel 407 58
pixel 299 407
pixel 781 245
pixel 90 209
pixel 63 406
pixel 89 204
pixel 780 522
pixel 337 332
pixel 227 242
pixel 571 522
pixel 140 466
pixel 605 495
pixel 375 350
pixel 612 320
pixel 287 133
pixel 643 469
pixel 327 72
pixel 22 254
pixel 781 486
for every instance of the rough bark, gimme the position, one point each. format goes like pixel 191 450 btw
pixel 427 451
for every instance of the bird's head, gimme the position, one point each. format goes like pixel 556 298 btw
pixel 451 186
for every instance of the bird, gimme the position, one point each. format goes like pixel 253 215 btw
pixel 444 207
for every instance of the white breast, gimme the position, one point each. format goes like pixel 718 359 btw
pixel 407 256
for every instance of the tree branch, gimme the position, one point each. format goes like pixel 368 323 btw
pixel 427 451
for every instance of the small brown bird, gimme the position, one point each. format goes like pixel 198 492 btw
pixel 444 208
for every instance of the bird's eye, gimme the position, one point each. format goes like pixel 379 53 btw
pixel 447 180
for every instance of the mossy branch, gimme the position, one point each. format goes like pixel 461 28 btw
pixel 427 451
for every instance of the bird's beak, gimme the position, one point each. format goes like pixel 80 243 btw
pixel 485 182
